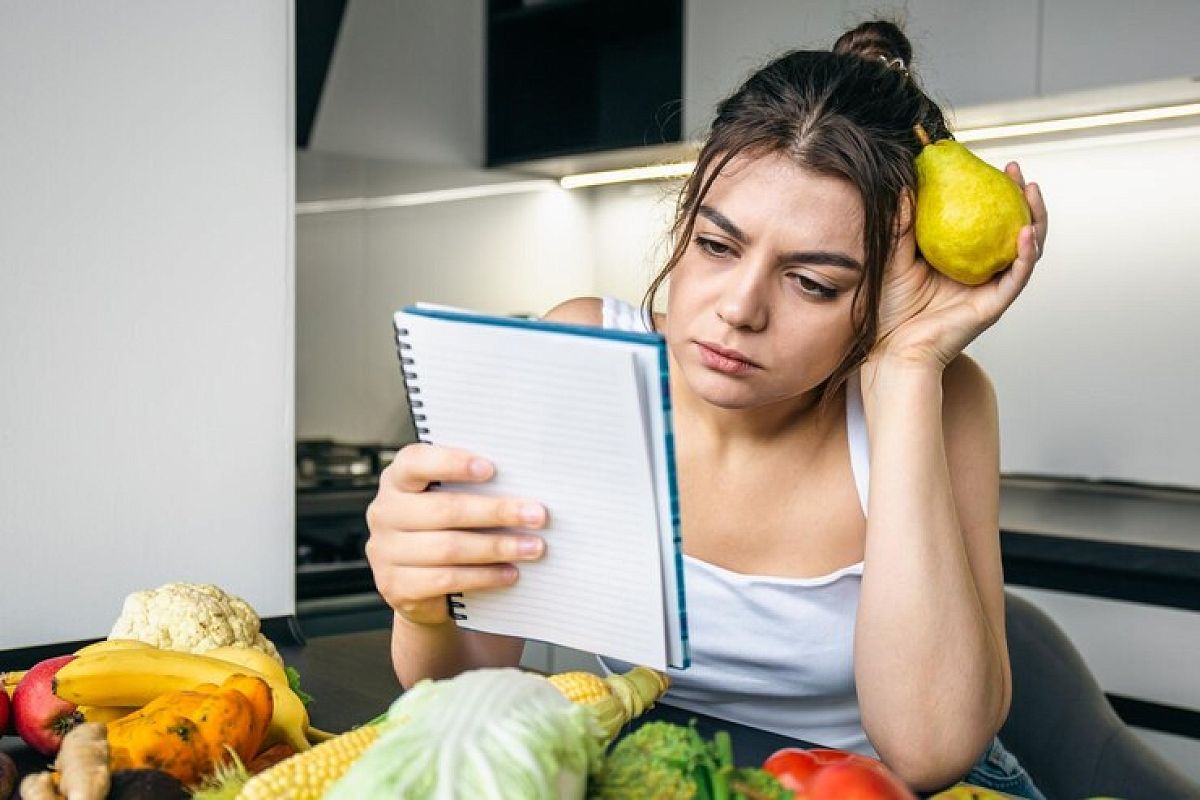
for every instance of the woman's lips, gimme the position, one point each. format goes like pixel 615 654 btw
pixel 729 362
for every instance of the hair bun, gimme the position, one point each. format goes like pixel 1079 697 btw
pixel 878 40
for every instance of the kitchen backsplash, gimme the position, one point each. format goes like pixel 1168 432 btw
pixel 1086 364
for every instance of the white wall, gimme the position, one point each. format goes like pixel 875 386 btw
pixel 520 253
pixel 145 307
pixel 957 45
pixel 1090 43
pixel 1095 366
pixel 630 236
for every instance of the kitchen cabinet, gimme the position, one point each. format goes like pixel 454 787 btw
pixel 578 76
pixel 1092 43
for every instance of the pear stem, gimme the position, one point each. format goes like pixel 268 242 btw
pixel 922 136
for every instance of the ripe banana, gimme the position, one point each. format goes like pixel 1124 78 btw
pixel 105 714
pixel 9 681
pixel 135 677
pixel 106 645
pixel 253 659
pixel 266 665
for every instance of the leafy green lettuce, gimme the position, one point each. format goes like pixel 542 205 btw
pixel 488 734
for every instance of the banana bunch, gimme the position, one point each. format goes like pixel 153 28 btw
pixel 112 678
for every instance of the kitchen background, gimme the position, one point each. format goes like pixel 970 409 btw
pixel 1095 368
pixel 201 386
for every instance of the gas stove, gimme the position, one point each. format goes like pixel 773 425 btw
pixel 335 482
pixel 323 464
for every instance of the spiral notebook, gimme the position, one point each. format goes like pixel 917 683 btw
pixel 580 419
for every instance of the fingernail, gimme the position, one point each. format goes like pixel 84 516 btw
pixel 531 513
pixel 480 468
pixel 510 574
pixel 529 546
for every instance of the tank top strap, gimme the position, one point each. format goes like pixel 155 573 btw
pixel 620 315
pixel 856 434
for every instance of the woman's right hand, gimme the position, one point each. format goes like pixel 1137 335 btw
pixel 424 546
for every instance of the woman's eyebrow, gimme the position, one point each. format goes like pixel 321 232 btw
pixel 723 222
pixel 823 257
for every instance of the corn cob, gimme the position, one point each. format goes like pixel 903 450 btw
pixel 308 775
pixel 616 699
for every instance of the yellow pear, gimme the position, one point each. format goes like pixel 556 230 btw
pixel 968 212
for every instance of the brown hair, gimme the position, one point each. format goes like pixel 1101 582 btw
pixel 847 113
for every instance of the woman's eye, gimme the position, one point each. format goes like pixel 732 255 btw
pixel 713 247
pixel 810 286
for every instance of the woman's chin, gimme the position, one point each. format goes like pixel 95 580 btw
pixel 723 393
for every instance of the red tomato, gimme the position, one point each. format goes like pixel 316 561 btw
pixel 821 774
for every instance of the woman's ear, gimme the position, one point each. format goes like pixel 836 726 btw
pixel 904 238
pixel 906 213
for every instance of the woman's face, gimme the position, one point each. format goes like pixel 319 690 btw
pixel 769 273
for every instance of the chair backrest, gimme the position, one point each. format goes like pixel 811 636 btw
pixel 1061 726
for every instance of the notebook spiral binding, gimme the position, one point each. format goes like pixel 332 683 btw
pixel 410 384
pixel 453 601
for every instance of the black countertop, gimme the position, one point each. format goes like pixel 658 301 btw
pixel 1118 542
pixel 1113 541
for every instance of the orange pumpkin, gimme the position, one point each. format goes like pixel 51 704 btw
pixel 186 733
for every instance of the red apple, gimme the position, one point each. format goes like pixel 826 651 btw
pixel 5 706
pixel 42 719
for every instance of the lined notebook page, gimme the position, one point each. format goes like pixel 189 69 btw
pixel 561 418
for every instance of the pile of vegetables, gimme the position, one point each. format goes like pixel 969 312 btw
pixel 503 733
pixel 188 699
pixel 610 702
pixel 186 694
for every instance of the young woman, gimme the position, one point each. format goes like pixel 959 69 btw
pixel 837 454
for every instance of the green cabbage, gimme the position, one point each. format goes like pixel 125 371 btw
pixel 488 734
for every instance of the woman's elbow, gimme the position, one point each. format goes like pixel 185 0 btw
pixel 928 766
pixel 929 774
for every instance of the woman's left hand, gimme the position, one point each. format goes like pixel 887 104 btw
pixel 928 318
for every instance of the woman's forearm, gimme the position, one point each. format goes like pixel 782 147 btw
pixel 929 671
pixel 444 650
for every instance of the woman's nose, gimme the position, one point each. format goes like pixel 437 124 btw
pixel 743 303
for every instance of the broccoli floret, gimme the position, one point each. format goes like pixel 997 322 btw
pixel 757 784
pixel 662 761
pixel 656 762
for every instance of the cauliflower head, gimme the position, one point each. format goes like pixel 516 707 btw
pixel 191 617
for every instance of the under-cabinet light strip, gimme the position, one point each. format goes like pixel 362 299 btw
pixel 988 133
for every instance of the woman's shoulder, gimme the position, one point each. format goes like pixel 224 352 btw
pixel 579 311
pixel 603 311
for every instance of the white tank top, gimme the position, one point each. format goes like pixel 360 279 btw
pixel 774 653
